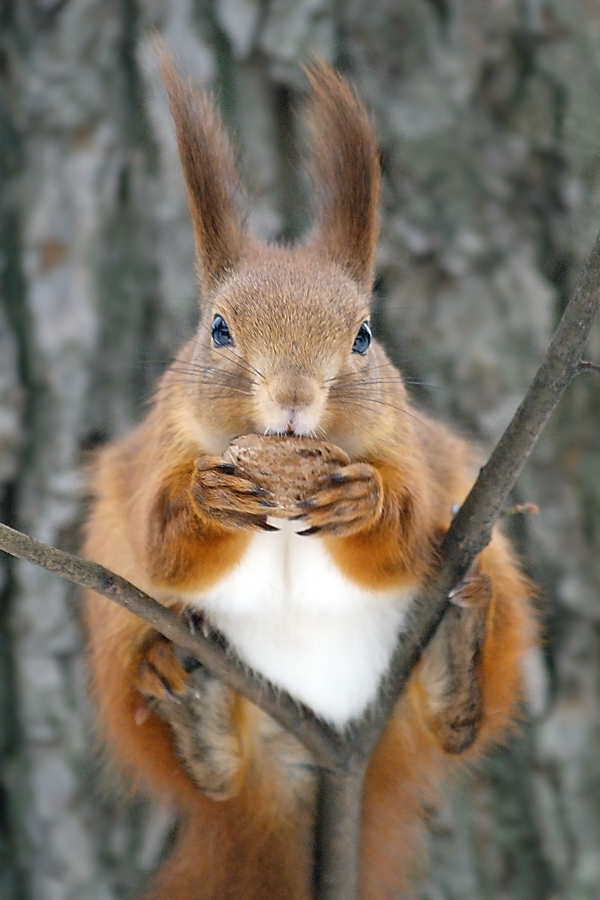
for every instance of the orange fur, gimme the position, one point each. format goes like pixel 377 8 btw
pixel 167 519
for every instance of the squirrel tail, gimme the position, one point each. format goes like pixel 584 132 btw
pixel 233 849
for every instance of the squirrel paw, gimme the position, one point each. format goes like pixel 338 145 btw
pixel 229 497
pixel 347 502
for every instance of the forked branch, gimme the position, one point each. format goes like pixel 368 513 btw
pixel 344 759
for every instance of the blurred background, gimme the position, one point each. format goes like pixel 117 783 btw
pixel 488 120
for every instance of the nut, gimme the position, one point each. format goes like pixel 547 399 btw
pixel 290 467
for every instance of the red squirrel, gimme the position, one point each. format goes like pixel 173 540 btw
pixel 284 346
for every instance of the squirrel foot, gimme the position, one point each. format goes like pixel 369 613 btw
pixel 450 670
pixel 348 501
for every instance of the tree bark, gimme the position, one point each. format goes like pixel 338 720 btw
pixel 488 129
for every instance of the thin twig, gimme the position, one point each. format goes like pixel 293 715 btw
pixel 586 366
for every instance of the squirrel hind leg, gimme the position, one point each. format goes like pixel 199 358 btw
pixel 207 735
pixel 203 714
pixel 450 672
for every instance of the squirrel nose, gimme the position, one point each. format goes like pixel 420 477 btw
pixel 295 393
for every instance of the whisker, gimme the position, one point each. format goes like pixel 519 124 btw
pixel 367 405
pixel 228 303
pixel 214 382
pixel 367 400
pixel 212 371
pixel 244 364
pixel 226 388
pixel 360 374
pixel 238 361
pixel 206 377
pixel 376 383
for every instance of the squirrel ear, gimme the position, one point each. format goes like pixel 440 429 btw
pixel 211 178
pixel 345 168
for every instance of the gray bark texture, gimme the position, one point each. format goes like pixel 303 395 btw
pixel 487 117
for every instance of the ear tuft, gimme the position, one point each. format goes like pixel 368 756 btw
pixel 345 168
pixel 211 178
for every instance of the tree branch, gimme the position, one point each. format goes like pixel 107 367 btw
pixel 337 837
pixel 346 757
pixel 471 528
pixel 323 742
pixel 469 533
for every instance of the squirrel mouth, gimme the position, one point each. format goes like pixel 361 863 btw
pixel 288 431
pixel 290 420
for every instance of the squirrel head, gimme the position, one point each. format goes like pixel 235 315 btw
pixel 284 342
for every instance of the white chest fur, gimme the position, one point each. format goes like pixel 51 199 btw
pixel 292 615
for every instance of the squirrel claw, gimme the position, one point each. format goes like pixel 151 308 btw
pixel 164 683
pixel 197 621
pixel 227 469
pixel 191 620
pixel 265 526
pixel 310 531
pixel 338 478
pixel 473 590
pixel 458 589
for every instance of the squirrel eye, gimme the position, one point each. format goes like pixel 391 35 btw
pixel 220 332
pixel 362 339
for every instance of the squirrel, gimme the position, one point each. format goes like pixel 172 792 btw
pixel 284 346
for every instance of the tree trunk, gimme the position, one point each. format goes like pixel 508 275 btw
pixel 486 115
